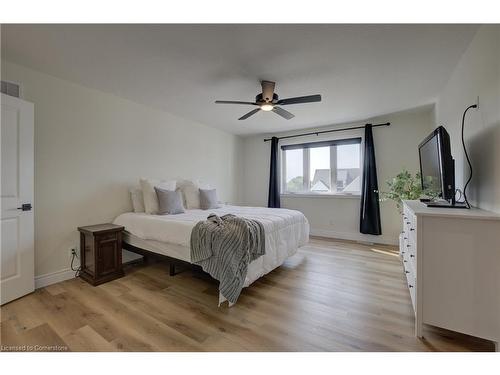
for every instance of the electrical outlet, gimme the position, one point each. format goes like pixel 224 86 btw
pixel 73 251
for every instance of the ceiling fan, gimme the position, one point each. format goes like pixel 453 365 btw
pixel 269 101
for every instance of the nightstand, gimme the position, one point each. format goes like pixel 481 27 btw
pixel 101 253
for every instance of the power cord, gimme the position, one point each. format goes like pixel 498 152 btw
pixel 77 270
pixel 466 155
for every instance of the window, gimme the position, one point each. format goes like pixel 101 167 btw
pixel 328 167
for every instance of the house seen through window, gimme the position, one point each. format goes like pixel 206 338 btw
pixel 328 167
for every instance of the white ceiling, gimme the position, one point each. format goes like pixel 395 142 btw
pixel 360 70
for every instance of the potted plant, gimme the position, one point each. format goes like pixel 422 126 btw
pixel 403 186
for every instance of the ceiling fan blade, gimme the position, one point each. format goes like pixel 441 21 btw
pixel 233 102
pixel 267 90
pixel 300 99
pixel 283 113
pixel 251 113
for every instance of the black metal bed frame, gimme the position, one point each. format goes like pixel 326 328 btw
pixel 171 261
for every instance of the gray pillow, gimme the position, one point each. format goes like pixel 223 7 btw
pixel 208 199
pixel 169 202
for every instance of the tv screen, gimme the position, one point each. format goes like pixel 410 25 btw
pixel 437 166
pixel 437 170
pixel 430 167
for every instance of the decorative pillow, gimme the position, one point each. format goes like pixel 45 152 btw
pixel 208 199
pixel 169 202
pixel 191 192
pixel 137 199
pixel 149 193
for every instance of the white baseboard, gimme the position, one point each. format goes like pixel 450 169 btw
pixel 66 274
pixel 387 240
pixel 54 277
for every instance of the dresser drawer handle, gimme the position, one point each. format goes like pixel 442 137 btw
pixel 408 222
pixel 407 271
pixel 402 252
pixel 408 245
pixel 405 238
pixel 412 229
pixel 412 256
pixel 410 286
pixel 405 261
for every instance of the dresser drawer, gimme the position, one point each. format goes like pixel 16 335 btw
pixel 409 250
pixel 412 287
pixel 411 280
pixel 409 266
pixel 409 225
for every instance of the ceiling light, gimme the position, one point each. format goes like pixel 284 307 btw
pixel 267 107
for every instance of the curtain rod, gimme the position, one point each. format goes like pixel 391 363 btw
pixel 328 131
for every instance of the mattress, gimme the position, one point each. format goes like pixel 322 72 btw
pixel 285 231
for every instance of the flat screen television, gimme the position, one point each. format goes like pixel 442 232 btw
pixel 437 169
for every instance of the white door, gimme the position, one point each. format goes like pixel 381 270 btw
pixel 17 271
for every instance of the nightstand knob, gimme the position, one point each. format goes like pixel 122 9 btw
pixel 412 229
pixel 410 286
pixel 408 245
pixel 412 256
pixel 407 271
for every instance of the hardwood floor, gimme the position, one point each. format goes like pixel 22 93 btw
pixel 331 296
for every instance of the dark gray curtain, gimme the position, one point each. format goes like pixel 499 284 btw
pixel 274 187
pixel 369 222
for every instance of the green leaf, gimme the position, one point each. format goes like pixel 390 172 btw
pixel 404 186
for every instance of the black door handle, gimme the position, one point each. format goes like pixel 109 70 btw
pixel 25 207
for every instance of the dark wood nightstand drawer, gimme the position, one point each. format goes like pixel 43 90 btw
pixel 107 237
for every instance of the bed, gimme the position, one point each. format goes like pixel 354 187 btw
pixel 169 235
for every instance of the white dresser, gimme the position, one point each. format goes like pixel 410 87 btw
pixel 451 258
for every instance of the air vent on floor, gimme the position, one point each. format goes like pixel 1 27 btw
pixel 11 89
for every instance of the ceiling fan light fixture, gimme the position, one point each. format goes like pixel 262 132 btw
pixel 264 102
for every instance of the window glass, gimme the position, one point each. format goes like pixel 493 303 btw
pixel 294 170
pixel 322 169
pixel 319 171
pixel 348 169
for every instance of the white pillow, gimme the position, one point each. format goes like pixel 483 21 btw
pixel 137 199
pixel 191 192
pixel 149 194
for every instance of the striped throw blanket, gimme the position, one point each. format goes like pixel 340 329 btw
pixel 224 247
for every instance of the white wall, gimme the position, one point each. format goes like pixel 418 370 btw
pixel 476 74
pixel 395 149
pixel 90 147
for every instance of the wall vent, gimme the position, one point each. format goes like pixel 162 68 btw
pixel 11 89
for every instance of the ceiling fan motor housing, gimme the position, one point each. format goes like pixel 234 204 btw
pixel 260 99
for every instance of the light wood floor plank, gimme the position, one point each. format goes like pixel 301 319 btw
pixel 85 339
pixel 331 296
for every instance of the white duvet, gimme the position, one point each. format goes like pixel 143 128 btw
pixel 285 231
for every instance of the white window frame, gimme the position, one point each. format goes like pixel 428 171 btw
pixel 348 134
